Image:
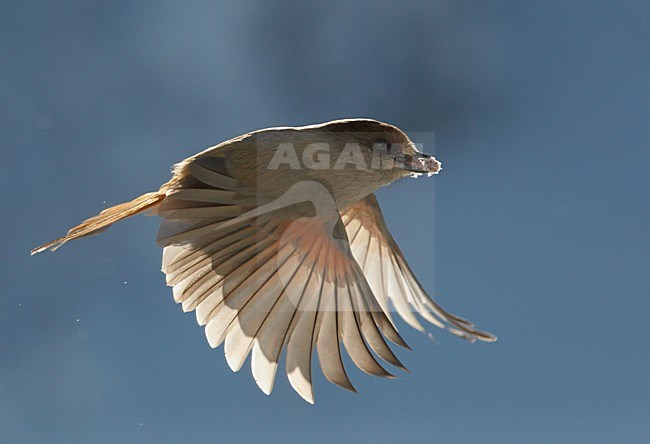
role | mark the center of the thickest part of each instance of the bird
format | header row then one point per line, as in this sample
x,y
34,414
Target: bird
x,y
275,239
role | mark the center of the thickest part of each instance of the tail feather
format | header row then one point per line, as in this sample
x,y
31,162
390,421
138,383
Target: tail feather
x,y
105,219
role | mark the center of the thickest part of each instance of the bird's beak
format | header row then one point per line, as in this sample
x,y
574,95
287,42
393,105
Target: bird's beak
x,y
421,163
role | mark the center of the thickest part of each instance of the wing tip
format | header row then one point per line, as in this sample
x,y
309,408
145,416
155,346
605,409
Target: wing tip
x,y
264,386
307,395
233,362
401,366
345,384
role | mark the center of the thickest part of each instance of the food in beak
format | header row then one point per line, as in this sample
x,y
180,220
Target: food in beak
x,y
422,164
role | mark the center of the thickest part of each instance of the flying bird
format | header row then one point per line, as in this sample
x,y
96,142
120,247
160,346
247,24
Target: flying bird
x,y
276,241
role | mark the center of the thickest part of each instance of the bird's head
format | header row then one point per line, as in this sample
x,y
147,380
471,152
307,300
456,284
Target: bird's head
x,y
350,157
382,147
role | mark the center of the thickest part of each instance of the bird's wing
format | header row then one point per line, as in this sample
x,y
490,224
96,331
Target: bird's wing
x,y
263,278
390,277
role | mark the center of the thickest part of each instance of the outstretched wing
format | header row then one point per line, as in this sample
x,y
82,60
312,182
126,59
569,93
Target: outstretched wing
x,y
390,277
263,277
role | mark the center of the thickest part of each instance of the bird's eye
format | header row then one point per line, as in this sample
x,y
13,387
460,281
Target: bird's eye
x,y
380,146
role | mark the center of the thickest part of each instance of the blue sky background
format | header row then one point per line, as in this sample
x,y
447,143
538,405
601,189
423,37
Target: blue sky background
x,y
541,112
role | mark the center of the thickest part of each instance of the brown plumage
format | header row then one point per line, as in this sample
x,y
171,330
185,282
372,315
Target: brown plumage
x,y
276,240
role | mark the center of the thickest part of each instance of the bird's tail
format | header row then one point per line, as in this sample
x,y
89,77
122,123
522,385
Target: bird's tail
x,y
105,219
